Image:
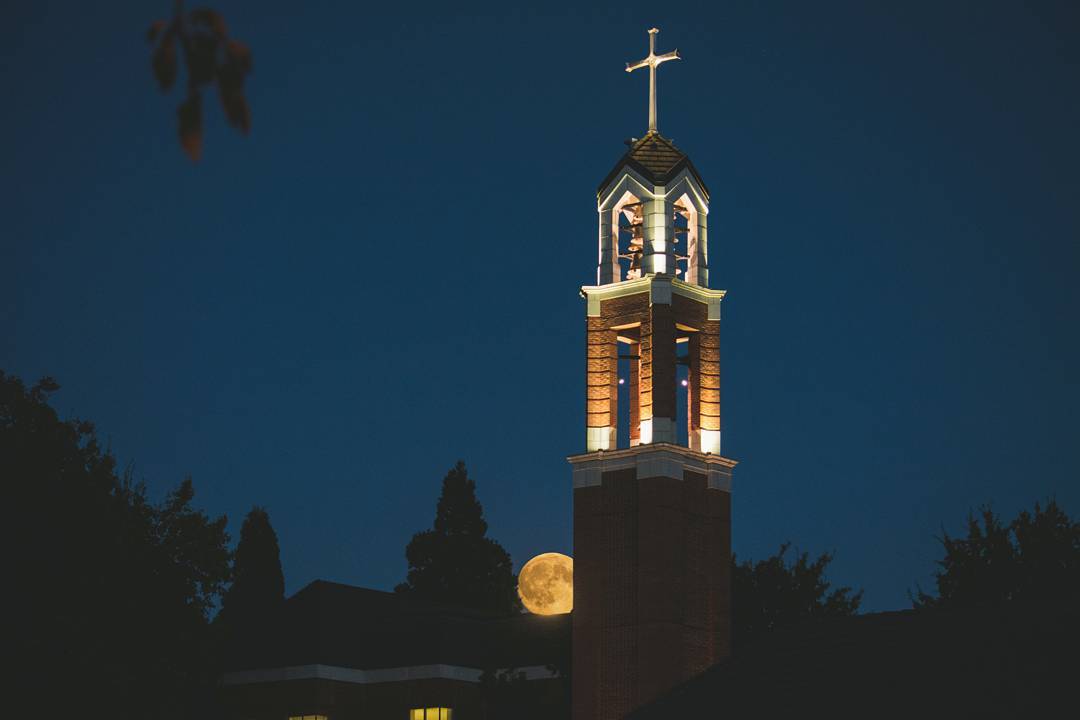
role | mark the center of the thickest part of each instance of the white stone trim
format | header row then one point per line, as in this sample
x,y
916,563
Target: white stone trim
x,y
658,229
710,441
596,294
371,677
598,438
653,460
659,287
628,182
663,430
684,183
703,295
633,182
660,291
644,432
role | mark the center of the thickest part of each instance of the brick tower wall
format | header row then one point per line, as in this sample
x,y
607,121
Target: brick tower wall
x,y
652,587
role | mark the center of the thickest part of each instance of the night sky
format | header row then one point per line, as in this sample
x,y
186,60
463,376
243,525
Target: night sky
x,y
383,277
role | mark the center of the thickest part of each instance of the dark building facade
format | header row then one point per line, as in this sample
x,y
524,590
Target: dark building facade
x,y
346,653
1004,661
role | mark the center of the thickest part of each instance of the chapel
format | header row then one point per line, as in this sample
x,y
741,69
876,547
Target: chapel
x,y
652,513
652,492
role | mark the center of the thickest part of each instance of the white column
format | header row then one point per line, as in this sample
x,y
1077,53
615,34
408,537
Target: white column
x,y
659,234
604,261
703,249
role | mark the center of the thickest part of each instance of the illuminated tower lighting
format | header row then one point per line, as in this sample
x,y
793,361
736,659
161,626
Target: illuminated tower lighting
x,y
652,520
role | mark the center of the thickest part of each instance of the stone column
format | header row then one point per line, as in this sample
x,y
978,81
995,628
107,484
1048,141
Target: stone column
x,y
634,383
607,270
663,373
710,387
659,236
702,250
645,382
603,260
601,385
693,393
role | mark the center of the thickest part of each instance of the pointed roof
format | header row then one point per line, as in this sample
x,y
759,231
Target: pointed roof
x,y
657,159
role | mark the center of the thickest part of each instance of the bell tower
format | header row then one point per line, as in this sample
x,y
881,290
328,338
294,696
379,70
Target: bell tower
x,y
652,494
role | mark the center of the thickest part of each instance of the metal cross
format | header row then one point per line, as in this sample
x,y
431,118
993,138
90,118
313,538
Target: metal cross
x,y
651,62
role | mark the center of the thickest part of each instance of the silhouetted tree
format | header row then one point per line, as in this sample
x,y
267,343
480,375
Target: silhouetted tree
x,y
1035,558
258,587
108,591
455,563
506,693
210,57
773,593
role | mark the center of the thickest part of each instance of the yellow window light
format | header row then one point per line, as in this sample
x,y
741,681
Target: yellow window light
x,y
431,713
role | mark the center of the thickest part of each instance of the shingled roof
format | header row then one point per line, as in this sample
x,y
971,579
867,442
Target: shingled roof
x,y
657,159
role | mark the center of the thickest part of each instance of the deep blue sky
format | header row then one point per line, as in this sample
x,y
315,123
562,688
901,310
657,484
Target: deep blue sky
x,y
322,317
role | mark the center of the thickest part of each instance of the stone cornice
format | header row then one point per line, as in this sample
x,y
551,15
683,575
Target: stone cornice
x,y
653,460
659,286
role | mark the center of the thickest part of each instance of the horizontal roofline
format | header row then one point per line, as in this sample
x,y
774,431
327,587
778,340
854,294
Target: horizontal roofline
x,y
374,677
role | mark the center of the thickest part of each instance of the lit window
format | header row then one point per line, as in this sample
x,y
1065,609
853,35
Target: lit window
x,y
435,713
307,717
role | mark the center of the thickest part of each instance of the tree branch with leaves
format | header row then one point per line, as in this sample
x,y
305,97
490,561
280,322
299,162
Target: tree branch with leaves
x,y
1034,558
775,593
210,57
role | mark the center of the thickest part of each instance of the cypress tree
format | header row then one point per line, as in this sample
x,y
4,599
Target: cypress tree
x,y
455,563
258,587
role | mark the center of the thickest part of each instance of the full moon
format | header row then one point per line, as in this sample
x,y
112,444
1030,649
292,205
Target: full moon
x,y
546,584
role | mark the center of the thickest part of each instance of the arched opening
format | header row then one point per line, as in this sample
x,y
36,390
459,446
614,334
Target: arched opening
x,y
686,239
628,230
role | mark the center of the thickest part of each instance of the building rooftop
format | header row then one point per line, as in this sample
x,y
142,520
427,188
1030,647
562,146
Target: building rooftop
x,y
343,626
989,663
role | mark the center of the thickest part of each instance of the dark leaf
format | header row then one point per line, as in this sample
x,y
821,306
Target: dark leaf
x,y
239,54
164,62
231,92
189,117
154,30
231,85
209,19
236,108
202,58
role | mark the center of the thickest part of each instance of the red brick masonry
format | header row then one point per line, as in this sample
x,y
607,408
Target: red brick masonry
x,y
652,587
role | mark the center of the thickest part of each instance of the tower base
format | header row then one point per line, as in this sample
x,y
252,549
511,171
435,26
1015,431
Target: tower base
x,y
652,573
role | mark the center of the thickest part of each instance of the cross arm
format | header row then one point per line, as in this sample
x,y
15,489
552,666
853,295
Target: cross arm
x,y
673,55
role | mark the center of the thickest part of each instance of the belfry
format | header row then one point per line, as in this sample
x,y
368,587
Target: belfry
x,y
652,493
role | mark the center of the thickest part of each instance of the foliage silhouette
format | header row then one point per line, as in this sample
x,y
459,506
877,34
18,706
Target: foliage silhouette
x,y
258,584
773,593
455,563
1033,559
113,592
506,693
210,57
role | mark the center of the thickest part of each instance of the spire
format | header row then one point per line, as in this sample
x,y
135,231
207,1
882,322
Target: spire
x,y
651,62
